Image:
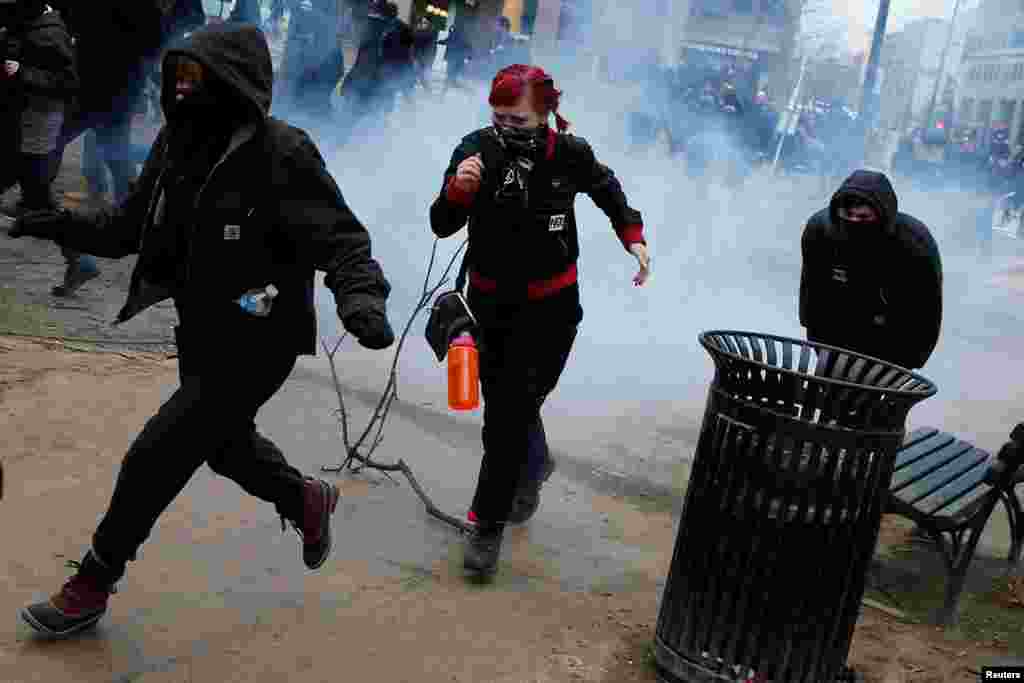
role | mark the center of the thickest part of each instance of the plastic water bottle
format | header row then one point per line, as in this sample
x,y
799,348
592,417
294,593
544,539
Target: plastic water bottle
x,y
463,373
258,301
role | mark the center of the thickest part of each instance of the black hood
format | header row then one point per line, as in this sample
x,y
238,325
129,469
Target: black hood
x,y
872,188
237,55
25,13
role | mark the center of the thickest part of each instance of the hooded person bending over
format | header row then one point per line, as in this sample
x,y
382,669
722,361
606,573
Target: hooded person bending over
x,y
516,184
871,279
230,201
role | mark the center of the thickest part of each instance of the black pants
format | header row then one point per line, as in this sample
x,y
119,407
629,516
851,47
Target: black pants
x,y
210,418
518,370
36,176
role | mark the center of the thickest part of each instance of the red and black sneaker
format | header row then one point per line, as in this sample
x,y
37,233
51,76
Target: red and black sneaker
x,y
319,501
79,604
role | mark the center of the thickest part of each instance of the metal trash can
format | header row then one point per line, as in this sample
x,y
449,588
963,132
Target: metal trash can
x,y
782,513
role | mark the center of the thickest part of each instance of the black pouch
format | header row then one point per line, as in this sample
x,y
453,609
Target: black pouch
x,y
449,317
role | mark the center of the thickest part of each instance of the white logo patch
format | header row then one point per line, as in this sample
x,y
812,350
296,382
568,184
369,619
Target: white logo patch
x,y
557,223
232,232
839,275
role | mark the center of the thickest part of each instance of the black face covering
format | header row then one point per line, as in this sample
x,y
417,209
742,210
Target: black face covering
x,y
198,106
522,142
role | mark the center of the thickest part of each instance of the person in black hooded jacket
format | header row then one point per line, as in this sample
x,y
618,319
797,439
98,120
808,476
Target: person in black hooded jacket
x,y
871,280
37,82
229,201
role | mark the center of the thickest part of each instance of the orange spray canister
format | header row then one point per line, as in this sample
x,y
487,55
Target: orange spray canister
x,y
463,373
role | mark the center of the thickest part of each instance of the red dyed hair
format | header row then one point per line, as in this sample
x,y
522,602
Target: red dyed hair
x,y
512,82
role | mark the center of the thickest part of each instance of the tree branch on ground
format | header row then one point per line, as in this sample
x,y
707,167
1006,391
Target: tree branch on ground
x,y
359,454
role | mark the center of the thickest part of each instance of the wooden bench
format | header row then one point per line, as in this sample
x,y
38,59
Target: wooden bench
x,y
950,488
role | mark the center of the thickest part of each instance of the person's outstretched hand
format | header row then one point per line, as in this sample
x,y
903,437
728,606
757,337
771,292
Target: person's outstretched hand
x,y
371,328
47,224
644,259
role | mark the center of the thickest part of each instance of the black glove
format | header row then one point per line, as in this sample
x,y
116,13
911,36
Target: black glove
x,y
47,224
371,327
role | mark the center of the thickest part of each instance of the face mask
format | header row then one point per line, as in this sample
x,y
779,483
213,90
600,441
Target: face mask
x,y
196,106
524,142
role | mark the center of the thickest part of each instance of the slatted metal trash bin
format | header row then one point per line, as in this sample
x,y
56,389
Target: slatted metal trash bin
x,y
782,511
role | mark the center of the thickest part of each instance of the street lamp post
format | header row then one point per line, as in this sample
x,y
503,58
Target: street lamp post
x,y
868,103
942,66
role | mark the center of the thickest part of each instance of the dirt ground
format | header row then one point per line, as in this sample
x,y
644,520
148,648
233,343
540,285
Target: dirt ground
x,y
70,416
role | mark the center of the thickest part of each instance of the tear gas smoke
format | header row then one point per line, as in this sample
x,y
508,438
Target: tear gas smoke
x,y
637,379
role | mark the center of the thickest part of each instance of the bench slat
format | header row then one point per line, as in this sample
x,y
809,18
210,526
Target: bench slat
x,y
923,487
918,435
924,464
906,457
959,493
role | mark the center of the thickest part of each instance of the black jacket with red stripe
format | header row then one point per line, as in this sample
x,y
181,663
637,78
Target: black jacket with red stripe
x,y
526,252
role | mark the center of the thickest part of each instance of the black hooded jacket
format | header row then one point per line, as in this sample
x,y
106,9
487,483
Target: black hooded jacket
x,y
45,54
876,290
269,212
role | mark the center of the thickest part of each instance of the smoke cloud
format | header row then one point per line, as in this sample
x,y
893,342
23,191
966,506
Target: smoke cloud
x,y
632,395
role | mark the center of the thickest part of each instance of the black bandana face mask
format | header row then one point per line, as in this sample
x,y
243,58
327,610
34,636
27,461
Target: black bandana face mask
x,y
521,142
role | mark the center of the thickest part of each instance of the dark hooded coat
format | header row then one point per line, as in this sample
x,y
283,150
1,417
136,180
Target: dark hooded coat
x,y
384,56
268,212
46,56
876,290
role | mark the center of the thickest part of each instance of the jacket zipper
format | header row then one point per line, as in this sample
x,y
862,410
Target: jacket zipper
x,y
153,203
195,208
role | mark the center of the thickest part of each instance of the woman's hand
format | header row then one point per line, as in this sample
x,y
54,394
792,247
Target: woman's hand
x,y
644,259
469,174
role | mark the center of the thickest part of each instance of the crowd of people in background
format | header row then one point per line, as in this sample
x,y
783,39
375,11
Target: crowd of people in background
x,y
105,83
717,121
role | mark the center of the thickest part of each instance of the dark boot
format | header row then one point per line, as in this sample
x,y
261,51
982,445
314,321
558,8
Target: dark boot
x,y
80,269
527,499
79,604
319,501
482,548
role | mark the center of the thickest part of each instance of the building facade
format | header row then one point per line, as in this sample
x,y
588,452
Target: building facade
x,y
991,75
750,42
913,61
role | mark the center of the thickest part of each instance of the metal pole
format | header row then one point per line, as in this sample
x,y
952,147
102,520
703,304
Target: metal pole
x,y
868,101
791,112
942,67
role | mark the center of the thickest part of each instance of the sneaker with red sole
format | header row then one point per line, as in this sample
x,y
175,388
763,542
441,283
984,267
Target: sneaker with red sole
x,y
80,603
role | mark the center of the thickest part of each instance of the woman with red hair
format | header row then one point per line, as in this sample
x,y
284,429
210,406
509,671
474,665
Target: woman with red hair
x,y
515,183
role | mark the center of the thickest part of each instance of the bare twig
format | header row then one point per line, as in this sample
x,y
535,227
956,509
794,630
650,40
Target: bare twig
x,y
356,456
